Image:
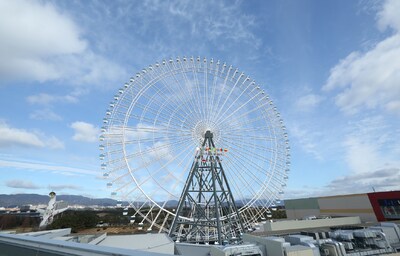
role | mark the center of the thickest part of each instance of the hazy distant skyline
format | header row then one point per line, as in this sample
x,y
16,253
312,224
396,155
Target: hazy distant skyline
x,y
331,67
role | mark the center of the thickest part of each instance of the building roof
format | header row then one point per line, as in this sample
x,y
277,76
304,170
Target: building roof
x,y
160,243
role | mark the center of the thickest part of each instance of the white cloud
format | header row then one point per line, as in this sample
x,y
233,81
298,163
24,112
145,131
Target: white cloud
x,y
85,132
380,180
45,44
92,69
19,137
393,106
47,99
371,79
371,145
53,142
308,102
306,139
38,31
361,156
161,151
21,184
45,114
389,15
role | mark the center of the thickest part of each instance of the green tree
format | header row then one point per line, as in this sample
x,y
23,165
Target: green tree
x,y
8,221
76,220
279,214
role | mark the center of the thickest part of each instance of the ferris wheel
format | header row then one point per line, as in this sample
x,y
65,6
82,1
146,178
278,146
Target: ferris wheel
x,y
155,127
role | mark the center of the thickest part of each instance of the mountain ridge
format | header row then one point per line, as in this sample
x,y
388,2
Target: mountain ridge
x,y
13,200
18,200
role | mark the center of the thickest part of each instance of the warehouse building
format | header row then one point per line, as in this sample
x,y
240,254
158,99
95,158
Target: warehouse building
x,y
370,207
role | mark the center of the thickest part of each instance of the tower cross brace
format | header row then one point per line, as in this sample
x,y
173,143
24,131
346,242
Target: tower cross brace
x,y
207,211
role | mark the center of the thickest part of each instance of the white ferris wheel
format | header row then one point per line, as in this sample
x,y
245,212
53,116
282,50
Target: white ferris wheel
x,y
157,122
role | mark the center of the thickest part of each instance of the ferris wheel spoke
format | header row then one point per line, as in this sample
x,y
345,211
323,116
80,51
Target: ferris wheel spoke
x,y
198,90
194,104
145,165
184,90
161,106
160,138
238,173
258,147
152,149
156,181
159,118
240,155
206,77
214,89
238,138
228,97
185,119
221,119
185,164
250,173
179,98
143,119
247,113
151,128
243,151
249,129
240,122
236,125
160,98
163,116
222,92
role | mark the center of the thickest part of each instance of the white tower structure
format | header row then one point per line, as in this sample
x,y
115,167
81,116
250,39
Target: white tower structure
x,y
53,208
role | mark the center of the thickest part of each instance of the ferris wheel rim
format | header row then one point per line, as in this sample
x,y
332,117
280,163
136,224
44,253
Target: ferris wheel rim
x,y
221,117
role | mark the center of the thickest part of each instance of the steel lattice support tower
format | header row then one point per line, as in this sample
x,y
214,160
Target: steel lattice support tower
x,y
206,211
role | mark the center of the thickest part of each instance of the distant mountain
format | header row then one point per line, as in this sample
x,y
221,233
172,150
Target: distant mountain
x,y
81,200
34,199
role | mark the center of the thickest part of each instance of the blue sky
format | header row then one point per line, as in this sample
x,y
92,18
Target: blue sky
x,y
331,67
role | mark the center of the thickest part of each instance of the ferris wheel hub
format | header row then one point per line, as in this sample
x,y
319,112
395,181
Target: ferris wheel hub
x,y
200,129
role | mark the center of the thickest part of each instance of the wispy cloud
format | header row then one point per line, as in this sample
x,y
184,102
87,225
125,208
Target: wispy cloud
x,y
163,28
45,114
38,166
378,180
61,187
308,102
306,139
371,144
214,20
47,99
21,184
85,132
